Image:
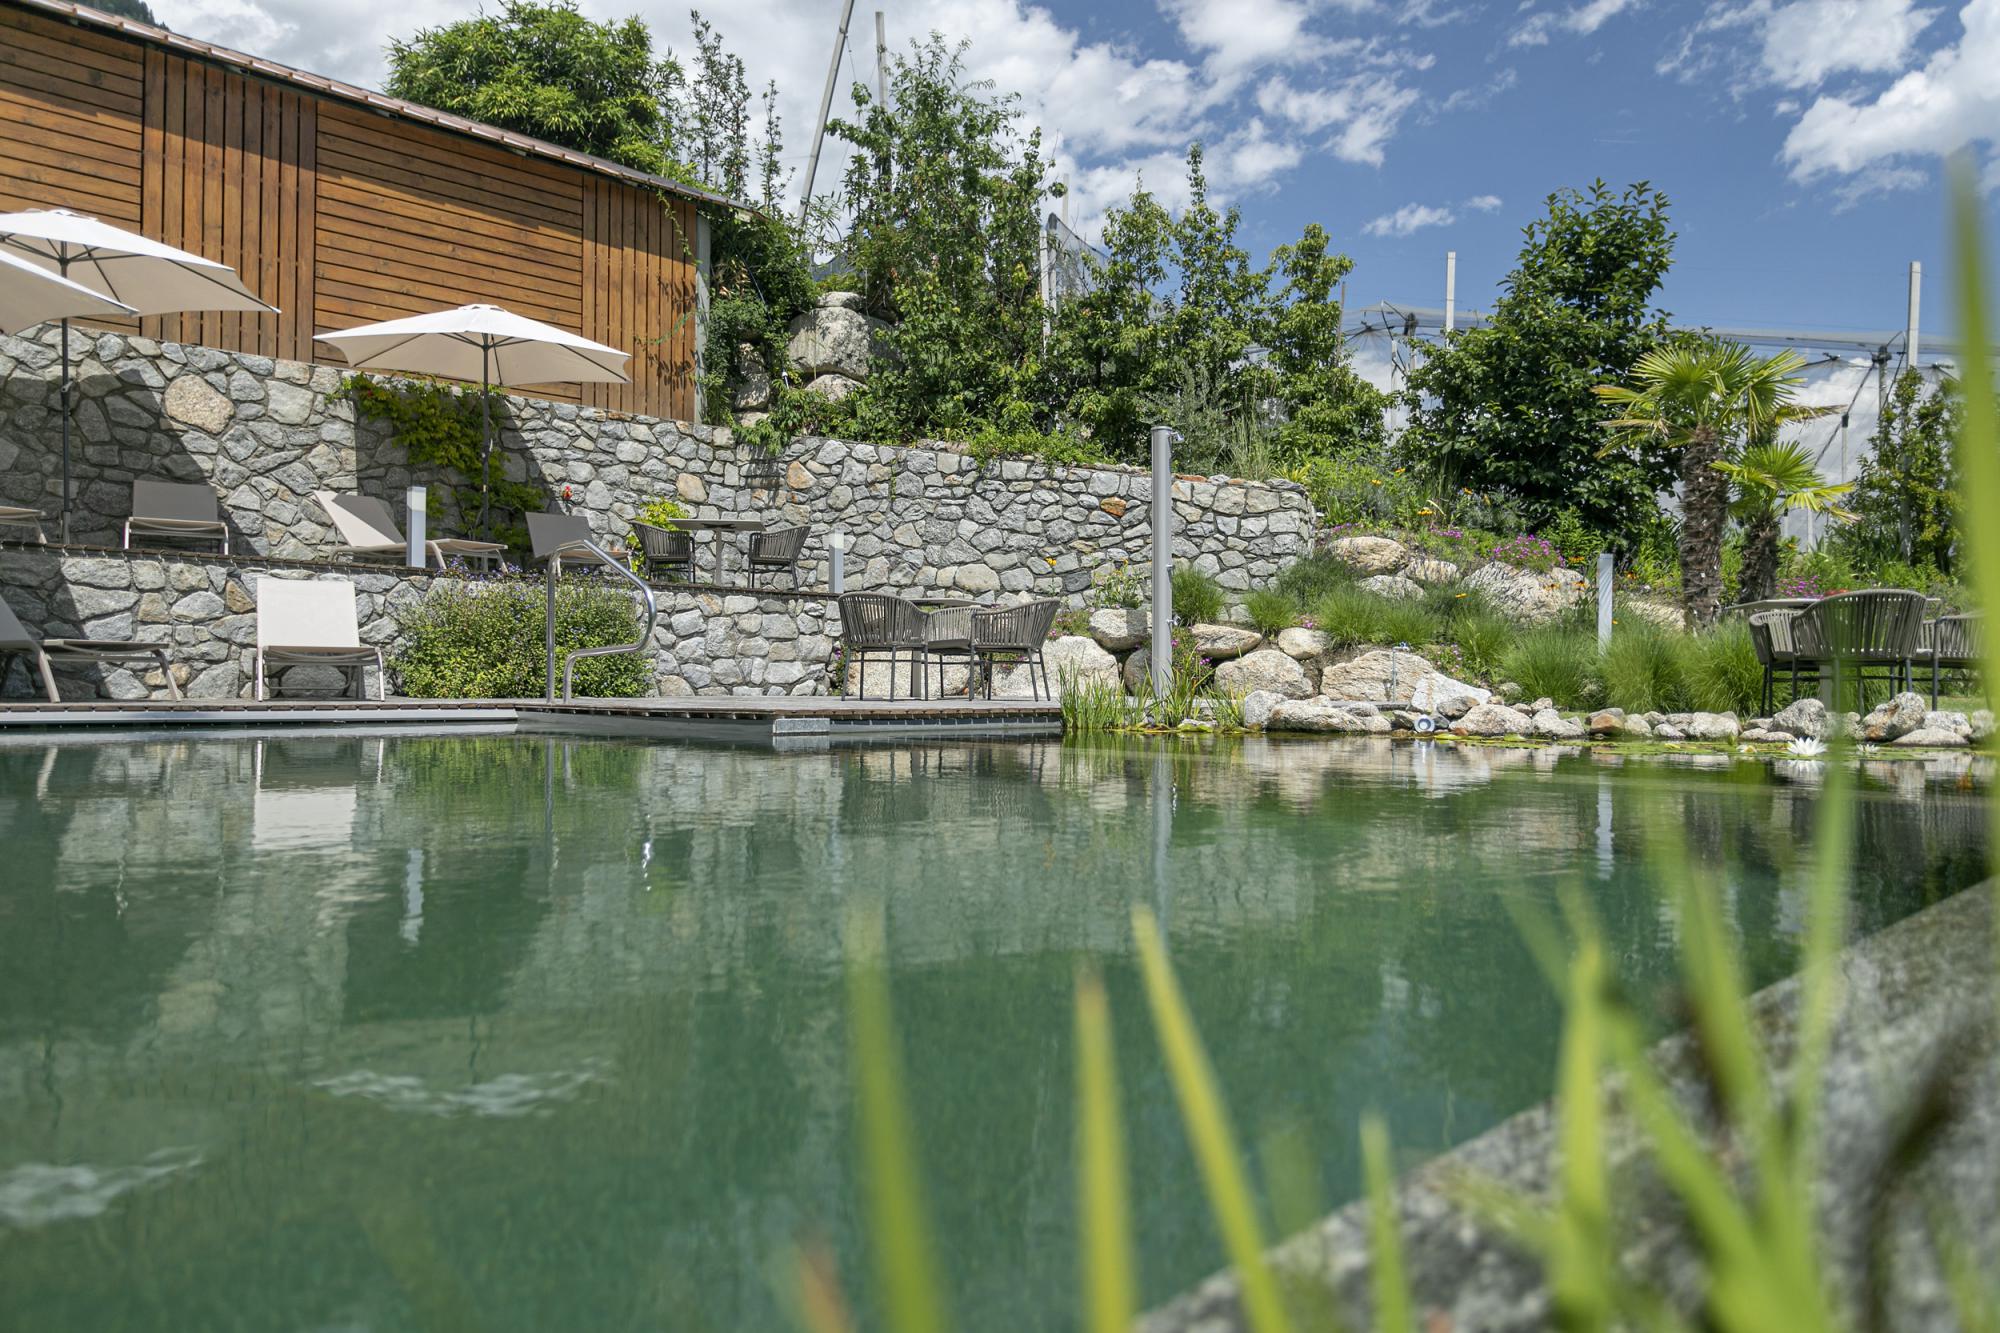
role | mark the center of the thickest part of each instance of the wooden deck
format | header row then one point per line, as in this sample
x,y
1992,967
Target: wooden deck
x,y
781,719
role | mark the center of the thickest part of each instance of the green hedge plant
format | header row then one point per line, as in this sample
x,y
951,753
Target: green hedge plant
x,y
483,640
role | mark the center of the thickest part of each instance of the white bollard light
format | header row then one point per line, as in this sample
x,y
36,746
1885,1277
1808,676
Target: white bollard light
x,y
837,542
1603,599
414,527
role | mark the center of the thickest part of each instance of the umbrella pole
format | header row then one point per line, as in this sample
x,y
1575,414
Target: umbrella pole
x,y
65,431
485,435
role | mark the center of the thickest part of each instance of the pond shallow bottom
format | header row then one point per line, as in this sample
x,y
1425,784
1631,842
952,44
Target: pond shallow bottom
x,y
520,1033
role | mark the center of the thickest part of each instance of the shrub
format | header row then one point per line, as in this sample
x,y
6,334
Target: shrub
x,y
1575,541
1645,668
1559,663
1117,587
1197,597
484,641
1271,610
1722,671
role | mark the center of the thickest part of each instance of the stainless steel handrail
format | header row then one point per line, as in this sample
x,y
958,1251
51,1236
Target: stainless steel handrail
x,y
549,628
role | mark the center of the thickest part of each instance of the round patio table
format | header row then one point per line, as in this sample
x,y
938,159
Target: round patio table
x,y
718,526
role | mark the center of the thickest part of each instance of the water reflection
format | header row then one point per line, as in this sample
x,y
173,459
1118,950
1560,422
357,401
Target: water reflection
x,y
526,1032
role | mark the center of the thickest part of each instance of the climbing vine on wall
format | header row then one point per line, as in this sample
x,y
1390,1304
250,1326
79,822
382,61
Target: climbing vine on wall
x,y
438,426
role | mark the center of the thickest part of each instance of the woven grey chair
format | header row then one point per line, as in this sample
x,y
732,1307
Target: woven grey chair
x,y
778,549
666,548
1857,632
1771,636
873,623
549,533
1950,643
1016,633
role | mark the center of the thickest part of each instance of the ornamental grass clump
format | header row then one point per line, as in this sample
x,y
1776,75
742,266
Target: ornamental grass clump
x,y
484,641
1559,664
1198,598
1645,668
1271,610
1723,673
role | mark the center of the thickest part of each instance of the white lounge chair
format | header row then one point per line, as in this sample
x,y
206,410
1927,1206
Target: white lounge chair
x,y
18,516
367,527
550,533
313,623
175,509
16,641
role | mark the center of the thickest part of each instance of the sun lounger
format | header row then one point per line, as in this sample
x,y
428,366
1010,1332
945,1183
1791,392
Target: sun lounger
x,y
367,527
312,623
15,641
175,509
16,516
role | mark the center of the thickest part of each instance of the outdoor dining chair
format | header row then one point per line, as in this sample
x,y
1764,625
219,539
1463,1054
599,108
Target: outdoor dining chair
x,y
15,641
948,635
550,533
1771,636
777,549
20,516
367,527
1950,643
666,548
312,622
872,623
175,509
1876,630
1016,633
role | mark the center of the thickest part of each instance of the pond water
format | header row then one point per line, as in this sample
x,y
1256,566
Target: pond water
x,y
517,1033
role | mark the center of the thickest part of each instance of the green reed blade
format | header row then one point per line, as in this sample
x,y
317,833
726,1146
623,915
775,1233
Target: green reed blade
x,y
1209,1132
901,1232
1104,1220
1385,1232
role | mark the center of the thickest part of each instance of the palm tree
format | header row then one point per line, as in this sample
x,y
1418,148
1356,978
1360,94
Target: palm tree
x,y
1771,480
1704,396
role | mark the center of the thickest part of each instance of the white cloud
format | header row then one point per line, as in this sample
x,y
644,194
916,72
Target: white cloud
x,y
1806,42
1538,28
1408,219
1951,100
1483,203
1362,113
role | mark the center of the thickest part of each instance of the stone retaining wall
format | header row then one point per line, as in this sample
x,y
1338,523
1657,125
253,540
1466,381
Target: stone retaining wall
x,y
266,434
204,610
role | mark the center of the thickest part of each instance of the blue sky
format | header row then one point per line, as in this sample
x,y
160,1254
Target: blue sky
x,y
1802,141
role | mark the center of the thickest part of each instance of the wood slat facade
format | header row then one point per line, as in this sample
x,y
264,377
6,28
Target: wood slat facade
x,y
339,215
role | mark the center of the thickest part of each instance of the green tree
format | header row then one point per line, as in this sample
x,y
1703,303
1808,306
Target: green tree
x,y
546,70
1773,479
1907,498
1704,398
1507,408
1327,409
711,109
946,192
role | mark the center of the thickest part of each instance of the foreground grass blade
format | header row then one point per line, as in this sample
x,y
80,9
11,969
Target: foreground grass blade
x,y
818,1303
1385,1232
1209,1132
1978,452
900,1231
1580,1261
1104,1223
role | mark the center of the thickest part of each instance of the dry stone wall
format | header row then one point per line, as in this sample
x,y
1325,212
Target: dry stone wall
x,y
266,434
204,610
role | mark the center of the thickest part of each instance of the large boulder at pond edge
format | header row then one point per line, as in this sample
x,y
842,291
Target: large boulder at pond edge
x,y
1257,706
1370,555
1895,719
1493,720
1803,717
1072,659
1307,645
1393,586
1326,715
1267,669
1383,675
1551,725
835,339
1118,630
1533,597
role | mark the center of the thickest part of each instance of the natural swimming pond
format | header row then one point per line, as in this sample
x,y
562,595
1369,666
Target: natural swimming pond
x,y
523,1033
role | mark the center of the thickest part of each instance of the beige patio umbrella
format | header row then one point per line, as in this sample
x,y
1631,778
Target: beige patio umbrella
x,y
144,276
495,346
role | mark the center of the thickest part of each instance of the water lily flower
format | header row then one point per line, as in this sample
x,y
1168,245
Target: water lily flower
x,y
1806,747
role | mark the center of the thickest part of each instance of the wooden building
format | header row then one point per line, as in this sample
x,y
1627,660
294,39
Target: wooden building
x,y
342,206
